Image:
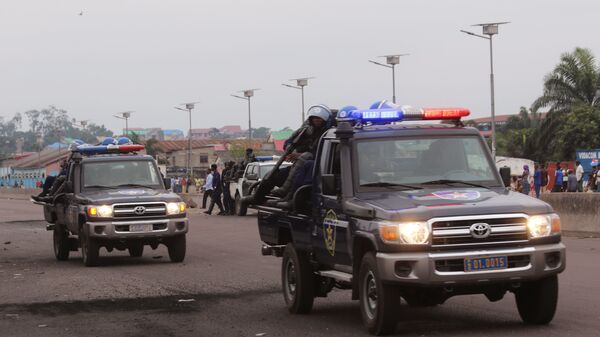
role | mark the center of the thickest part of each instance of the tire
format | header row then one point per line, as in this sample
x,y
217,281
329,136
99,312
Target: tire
x,y
297,281
135,249
379,302
240,208
90,250
61,243
537,300
177,248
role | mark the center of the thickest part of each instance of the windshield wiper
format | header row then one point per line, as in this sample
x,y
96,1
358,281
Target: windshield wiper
x,y
449,181
134,185
388,184
99,186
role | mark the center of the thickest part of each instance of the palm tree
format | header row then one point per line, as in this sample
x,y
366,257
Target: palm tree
x,y
575,80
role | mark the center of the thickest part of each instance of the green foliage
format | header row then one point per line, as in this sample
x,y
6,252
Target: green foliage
x,y
151,147
45,127
578,130
574,81
261,132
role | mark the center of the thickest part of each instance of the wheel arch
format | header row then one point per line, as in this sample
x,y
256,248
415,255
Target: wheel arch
x,y
362,244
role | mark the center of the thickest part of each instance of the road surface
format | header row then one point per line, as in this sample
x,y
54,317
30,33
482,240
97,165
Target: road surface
x,y
226,288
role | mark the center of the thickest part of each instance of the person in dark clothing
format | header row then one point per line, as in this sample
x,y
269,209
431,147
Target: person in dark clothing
x,y
227,177
300,148
249,157
216,192
571,181
53,185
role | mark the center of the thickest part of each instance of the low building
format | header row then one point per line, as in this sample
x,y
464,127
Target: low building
x,y
278,138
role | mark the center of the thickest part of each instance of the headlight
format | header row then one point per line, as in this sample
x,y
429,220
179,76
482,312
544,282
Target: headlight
x,y
540,226
103,211
410,233
174,208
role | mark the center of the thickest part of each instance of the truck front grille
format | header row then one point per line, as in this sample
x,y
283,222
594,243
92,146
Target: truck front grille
x,y
139,210
457,232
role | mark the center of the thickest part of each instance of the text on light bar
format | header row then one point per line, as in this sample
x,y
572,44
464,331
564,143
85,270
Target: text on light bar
x,y
445,113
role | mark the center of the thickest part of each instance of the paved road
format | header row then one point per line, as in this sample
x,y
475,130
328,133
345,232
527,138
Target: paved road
x,y
235,291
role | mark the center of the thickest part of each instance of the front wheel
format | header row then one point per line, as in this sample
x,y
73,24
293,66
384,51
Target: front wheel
x,y
240,208
62,246
90,249
177,247
379,302
297,280
537,300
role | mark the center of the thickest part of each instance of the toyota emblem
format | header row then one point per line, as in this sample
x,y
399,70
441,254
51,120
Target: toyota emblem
x,y
139,210
480,230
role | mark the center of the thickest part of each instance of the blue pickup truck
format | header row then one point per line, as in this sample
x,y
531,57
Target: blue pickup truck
x,y
401,210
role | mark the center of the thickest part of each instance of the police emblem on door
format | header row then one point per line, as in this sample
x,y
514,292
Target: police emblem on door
x,y
329,225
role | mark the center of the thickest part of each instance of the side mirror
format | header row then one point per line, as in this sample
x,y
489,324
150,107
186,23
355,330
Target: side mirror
x,y
329,184
167,182
68,187
505,174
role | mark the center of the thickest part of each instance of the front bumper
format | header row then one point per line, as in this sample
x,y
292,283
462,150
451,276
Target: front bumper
x,y
431,269
150,228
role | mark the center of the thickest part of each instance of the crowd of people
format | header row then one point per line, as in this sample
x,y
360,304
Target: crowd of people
x,y
566,180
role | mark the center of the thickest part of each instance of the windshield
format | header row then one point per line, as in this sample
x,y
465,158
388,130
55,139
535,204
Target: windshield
x,y
120,173
442,160
265,169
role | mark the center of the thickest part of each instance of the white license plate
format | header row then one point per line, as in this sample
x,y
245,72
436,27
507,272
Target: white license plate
x,y
140,228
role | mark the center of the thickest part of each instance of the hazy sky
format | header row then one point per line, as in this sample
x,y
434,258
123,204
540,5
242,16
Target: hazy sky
x,y
148,55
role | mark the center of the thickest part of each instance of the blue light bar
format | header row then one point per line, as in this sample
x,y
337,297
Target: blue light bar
x,y
376,115
264,158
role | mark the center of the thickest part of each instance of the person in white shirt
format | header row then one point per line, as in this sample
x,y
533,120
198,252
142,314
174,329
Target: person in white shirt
x,y
207,188
579,176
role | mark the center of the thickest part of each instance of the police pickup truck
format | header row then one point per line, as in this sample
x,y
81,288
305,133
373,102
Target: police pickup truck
x,y
419,212
116,199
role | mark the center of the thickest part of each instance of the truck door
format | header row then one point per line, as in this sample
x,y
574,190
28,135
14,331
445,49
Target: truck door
x,y
71,207
330,232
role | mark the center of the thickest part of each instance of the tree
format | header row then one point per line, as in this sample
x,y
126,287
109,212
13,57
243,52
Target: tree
x,y
578,130
573,81
572,84
261,132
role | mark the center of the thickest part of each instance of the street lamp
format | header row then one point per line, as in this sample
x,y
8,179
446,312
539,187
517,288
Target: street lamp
x,y
392,61
124,115
300,84
248,93
188,108
490,29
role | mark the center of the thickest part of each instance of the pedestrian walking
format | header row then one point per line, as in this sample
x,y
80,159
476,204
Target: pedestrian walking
x,y
525,180
208,187
579,176
545,178
227,177
537,179
216,192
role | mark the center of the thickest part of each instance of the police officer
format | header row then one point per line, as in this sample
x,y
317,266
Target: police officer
x,y
302,146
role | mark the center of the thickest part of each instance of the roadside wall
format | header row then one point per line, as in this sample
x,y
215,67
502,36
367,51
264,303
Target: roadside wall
x,y
578,211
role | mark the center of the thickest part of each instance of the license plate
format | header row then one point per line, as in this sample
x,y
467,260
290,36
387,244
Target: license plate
x,y
485,263
140,228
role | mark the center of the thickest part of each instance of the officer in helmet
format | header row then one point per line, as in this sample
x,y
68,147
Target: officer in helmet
x,y
301,146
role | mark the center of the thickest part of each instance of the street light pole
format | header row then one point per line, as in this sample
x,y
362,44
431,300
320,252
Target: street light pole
x,y
392,61
248,93
189,107
124,115
490,29
300,84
